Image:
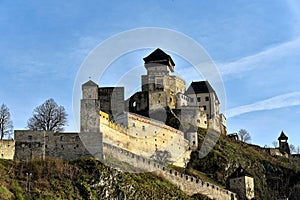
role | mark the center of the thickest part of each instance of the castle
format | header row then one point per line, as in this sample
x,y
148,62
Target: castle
x,y
151,129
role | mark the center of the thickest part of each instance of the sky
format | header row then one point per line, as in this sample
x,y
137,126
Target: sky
x,y
255,46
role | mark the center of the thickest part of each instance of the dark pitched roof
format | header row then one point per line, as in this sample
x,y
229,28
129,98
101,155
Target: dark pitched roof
x,y
282,136
199,87
159,56
239,172
90,83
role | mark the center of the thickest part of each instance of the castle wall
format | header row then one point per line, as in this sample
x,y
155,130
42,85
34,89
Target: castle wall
x,y
194,116
188,184
177,85
7,149
111,99
41,144
144,136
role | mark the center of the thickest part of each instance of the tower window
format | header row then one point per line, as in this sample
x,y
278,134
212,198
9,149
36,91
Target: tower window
x,y
204,107
29,137
198,99
206,98
133,124
143,128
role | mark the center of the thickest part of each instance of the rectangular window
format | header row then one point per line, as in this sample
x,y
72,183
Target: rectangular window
x,y
77,138
204,107
198,99
29,137
62,138
133,124
143,128
192,100
206,98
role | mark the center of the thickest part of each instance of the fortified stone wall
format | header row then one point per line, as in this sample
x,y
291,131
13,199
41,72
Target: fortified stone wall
x,y
7,149
188,184
41,144
145,136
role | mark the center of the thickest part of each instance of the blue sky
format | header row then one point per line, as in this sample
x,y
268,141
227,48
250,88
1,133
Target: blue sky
x,y
254,44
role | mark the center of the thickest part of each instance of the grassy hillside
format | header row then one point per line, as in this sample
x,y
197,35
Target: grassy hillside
x,y
273,177
81,179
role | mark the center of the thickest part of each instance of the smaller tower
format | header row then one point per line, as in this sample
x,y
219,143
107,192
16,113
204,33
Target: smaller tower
x,y
283,144
90,134
89,112
242,183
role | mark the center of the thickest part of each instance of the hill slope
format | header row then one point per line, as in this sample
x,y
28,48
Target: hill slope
x,y
81,179
273,177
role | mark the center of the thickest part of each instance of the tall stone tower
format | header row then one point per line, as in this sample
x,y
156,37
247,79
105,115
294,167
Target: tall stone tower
x,y
242,183
90,134
283,144
89,112
158,83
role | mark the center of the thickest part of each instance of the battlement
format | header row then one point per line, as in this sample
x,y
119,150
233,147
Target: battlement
x,y
189,184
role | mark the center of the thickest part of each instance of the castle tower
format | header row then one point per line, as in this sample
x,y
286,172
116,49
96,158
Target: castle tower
x,y
90,134
242,183
283,144
158,83
89,112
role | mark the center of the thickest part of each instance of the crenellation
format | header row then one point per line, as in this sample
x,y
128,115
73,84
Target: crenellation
x,y
189,184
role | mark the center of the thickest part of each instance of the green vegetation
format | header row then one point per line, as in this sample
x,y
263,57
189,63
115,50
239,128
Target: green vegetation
x,y
273,177
80,179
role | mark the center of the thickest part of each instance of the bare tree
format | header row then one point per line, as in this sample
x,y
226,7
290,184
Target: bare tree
x,y
298,150
244,135
6,125
292,148
48,116
275,144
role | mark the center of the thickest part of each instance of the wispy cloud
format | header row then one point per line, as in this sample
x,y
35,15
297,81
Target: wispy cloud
x,y
260,59
281,101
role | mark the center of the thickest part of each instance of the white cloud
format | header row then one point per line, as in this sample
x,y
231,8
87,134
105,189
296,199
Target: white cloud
x,y
281,101
260,59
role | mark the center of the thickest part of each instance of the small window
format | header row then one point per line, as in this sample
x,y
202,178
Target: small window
x,y
199,99
143,128
62,146
192,100
77,138
2,155
46,137
133,124
198,120
46,146
204,107
62,138
206,98
29,137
